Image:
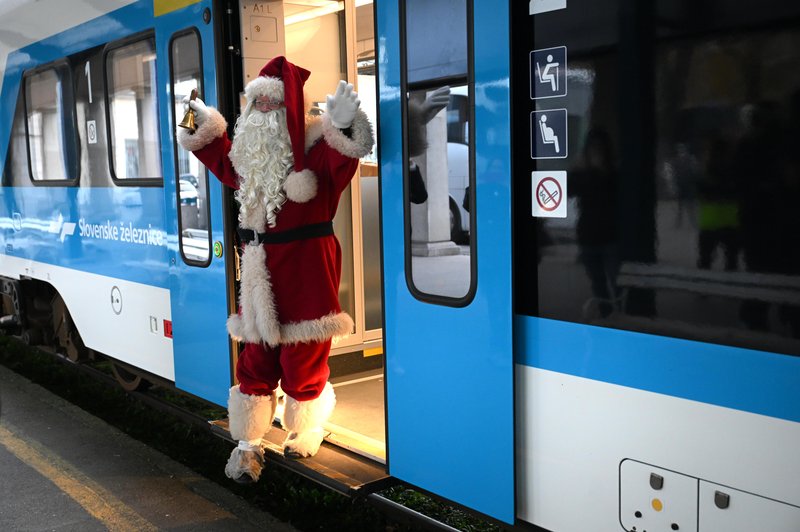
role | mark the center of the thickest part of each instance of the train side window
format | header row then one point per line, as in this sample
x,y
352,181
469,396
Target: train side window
x,y
50,125
681,170
192,177
439,153
15,171
133,111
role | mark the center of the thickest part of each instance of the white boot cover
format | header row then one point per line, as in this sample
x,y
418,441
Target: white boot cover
x,y
304,420
244,466
250,418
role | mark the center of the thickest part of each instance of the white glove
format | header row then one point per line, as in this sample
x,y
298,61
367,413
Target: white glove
x,y
201,112
342,106
435,102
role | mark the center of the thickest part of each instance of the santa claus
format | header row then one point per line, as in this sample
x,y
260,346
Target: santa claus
x,y
288,171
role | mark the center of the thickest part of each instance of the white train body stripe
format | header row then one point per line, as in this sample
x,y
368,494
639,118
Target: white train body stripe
x,y
119,318
572,434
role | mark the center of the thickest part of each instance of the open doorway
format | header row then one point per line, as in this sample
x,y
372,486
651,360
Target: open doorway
x,y
335,40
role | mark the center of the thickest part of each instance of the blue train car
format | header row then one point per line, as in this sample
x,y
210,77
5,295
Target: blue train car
x,y
592,320
95,203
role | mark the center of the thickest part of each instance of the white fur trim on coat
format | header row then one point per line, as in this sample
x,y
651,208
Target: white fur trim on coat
x,y
267,86
258,321
318,330
250,416
212,127
361,140
301,186
302,416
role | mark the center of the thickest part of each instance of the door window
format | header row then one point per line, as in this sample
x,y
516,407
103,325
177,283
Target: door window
x,y
191,175
440,244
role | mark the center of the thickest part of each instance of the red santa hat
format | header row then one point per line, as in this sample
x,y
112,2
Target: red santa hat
x,y
283,81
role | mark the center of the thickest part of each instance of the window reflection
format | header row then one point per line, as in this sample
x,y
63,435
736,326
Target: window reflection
x,y
683,181
47,118
438,168
16,168
133,111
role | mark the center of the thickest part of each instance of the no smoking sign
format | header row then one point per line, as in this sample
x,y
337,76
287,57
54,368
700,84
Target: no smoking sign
x,y
549,194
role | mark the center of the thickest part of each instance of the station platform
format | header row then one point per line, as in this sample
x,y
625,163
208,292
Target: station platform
x,y
63,469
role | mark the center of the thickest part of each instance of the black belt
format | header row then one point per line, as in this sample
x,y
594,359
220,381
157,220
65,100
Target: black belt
x,y
290,235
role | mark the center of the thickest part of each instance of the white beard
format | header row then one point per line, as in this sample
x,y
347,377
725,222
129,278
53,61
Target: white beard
x,y
261,153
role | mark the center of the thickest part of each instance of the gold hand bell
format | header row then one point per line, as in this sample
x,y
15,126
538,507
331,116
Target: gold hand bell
x,y
188,118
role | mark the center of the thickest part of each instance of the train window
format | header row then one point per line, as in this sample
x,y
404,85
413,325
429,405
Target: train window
x,y
192,176
133,111
15,172
680,169
49,109
440,246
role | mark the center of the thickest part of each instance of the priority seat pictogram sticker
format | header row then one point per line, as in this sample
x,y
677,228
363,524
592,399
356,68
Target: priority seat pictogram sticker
x,y
549,191
549,135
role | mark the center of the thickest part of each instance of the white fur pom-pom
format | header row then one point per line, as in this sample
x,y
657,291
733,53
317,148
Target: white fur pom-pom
x,y
264,86
301,186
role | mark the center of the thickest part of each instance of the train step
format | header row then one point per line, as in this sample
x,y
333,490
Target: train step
x,y
333,467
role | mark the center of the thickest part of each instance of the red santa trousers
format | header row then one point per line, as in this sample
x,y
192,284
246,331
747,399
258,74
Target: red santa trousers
x,y
301,368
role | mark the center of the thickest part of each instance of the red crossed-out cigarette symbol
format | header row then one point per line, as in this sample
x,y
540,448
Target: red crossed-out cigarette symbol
x,y
548,194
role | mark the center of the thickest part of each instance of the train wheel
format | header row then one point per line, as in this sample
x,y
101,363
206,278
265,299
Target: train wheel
x,y
31,337
67,337
129,380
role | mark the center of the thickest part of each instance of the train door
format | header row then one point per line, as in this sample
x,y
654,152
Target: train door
x,y
194,208
443,68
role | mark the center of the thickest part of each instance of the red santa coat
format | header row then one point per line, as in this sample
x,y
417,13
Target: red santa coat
x,y
290,291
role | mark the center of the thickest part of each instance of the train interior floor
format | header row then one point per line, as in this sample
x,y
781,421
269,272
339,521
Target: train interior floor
x,y
359,414
358,422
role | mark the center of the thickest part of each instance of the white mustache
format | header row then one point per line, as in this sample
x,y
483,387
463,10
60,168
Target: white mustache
x,y
256,119
271,120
